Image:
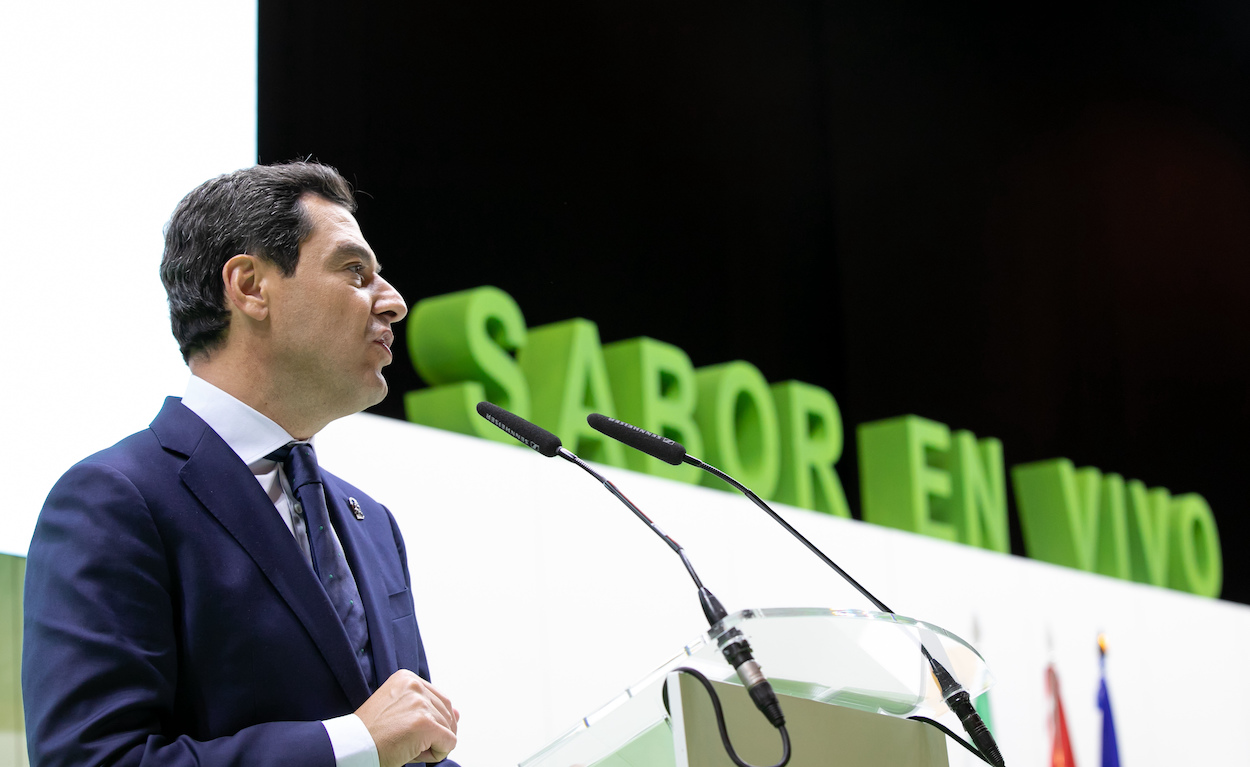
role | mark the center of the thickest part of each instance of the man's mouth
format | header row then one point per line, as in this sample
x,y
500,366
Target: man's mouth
x,y
385,340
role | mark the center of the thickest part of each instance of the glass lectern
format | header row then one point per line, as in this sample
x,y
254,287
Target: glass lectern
x,y
843,676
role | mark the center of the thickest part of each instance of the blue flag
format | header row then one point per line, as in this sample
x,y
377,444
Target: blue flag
x,y
1110,749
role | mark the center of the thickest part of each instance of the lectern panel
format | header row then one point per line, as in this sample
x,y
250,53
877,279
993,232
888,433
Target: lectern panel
x,y
820,734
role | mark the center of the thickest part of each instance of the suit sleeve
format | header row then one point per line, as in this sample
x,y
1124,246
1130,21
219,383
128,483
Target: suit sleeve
x,y
403,561
100,649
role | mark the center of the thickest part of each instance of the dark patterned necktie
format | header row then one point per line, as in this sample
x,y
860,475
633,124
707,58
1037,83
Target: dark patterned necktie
x,y
328,561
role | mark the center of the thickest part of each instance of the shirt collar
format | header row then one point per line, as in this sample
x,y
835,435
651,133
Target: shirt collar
x,y
249,433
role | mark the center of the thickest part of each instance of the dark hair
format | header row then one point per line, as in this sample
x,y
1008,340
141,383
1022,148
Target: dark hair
x,y
256,211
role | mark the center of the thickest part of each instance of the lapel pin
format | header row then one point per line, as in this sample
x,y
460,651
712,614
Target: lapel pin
x,y
355,508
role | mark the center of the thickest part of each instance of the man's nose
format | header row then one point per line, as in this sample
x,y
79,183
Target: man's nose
x,y
389,301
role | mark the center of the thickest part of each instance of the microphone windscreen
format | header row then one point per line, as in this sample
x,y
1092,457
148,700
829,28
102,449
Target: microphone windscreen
x,y
639,439
530,435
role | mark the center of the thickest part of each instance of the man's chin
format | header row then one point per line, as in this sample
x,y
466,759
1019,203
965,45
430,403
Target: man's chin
x,y
377,392
369,393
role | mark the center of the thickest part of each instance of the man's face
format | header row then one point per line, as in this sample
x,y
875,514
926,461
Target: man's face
x,y
331,320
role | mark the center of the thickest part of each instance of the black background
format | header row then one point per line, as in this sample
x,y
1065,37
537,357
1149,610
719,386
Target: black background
x,y
1031,223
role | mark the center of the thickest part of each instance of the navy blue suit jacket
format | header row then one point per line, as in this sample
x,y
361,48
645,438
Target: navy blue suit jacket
x,y
171,619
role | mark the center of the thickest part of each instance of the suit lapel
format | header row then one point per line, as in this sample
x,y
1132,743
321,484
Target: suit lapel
x,y
229,491
353,534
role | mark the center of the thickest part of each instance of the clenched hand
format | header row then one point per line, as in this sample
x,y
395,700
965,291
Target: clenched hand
x,y
410,720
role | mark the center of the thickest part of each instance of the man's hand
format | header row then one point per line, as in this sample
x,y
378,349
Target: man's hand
x,y
410,721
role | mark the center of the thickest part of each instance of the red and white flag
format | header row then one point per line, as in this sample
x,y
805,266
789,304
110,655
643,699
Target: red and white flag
x,y
1060,745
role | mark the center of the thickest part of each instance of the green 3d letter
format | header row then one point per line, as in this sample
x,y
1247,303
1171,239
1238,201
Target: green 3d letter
x,y
735,412
563,363
460,344
1197,565
899,484
811,443
1149,512
1058,512
1113,557
979,492
654,388
1073,517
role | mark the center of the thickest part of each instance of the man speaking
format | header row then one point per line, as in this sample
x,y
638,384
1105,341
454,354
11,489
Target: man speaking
x,y
203,592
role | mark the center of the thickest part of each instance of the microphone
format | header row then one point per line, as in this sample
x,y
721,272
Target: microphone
x,y
733,644
527,433
669,451
642,440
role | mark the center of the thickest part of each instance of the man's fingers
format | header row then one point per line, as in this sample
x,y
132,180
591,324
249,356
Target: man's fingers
x,y
410,720
438,701
440,746
441,701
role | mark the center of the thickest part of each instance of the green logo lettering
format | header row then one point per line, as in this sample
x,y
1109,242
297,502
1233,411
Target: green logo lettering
x,y
563,363
811,443
654,387
735,412
460,344
978,501
903,478
1148,514
1197,566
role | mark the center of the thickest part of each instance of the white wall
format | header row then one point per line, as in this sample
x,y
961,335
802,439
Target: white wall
x,y
111,112
540,597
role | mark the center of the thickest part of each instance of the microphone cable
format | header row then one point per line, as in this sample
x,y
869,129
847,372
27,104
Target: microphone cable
x,y
956,698
720,720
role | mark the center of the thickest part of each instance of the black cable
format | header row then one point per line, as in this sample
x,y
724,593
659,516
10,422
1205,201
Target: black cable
x,y
955,697
720,721
953,736
751,496
953,694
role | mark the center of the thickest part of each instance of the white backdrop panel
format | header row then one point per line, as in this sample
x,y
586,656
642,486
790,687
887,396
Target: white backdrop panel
x,y
541,597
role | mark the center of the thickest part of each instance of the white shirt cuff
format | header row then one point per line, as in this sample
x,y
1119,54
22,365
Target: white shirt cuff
x,y
353,745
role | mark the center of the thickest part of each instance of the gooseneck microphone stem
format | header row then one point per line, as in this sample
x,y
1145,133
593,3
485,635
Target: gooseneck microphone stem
x,y
953,694
690,459
733,643
671,452
672,544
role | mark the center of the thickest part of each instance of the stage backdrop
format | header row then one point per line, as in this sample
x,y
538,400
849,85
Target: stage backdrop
x,y
541,597
1028,222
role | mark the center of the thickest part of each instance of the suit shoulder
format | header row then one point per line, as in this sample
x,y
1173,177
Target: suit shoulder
x,y
134,458
140,446
169,439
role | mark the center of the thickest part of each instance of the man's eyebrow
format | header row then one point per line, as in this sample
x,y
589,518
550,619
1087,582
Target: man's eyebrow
x,y
360,251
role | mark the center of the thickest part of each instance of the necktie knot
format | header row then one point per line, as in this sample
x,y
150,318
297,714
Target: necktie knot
x,y
300,461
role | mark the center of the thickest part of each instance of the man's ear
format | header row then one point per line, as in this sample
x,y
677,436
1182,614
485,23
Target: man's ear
x,y
244,278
